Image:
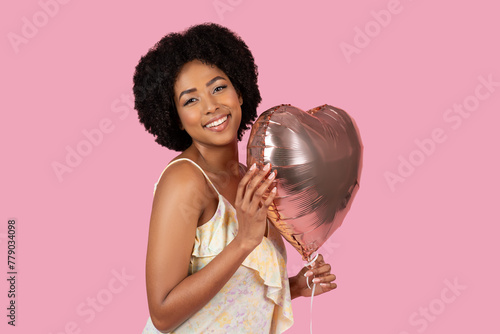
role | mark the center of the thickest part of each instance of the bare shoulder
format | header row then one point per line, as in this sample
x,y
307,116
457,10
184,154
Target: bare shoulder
x,y
181,180
181,173
179,201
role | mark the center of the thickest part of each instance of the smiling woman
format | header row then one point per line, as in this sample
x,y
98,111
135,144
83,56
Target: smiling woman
x,y
214,263
207,103
159,69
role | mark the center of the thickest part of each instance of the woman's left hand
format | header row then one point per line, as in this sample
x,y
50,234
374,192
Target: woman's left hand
x,y
319,274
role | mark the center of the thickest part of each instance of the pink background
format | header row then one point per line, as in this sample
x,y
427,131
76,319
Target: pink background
x,y
399,248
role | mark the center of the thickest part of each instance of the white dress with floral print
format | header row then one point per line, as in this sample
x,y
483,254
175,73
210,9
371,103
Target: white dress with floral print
x,y
257,297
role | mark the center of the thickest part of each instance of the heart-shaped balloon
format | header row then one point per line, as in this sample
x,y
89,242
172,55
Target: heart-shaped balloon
x,y
318,157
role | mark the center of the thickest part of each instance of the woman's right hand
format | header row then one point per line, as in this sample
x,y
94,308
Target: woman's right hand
x,y
252,204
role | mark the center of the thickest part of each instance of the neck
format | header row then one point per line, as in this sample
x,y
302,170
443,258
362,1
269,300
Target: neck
x,y
218,159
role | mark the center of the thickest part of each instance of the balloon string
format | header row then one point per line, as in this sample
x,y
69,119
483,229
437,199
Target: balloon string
x,y
312,261
312,296
309,264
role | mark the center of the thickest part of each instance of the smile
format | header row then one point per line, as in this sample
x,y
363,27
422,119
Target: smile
x,y
217,122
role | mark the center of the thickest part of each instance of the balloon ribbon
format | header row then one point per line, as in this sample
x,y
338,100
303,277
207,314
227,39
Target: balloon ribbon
x,y
309,264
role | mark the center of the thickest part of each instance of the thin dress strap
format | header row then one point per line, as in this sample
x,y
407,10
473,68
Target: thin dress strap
x,y
194,163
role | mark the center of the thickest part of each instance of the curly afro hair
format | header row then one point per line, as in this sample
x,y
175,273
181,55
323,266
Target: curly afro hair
x,y
157,71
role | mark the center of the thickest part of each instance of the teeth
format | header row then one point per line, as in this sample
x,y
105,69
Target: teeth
x,y
216,123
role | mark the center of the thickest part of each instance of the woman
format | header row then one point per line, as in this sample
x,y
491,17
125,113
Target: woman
x,y
206,270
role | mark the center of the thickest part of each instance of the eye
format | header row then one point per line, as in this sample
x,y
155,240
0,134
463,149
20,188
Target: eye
x,y
219,88
191,100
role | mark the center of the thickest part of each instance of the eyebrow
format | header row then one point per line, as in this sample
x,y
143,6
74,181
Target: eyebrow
x,y
187,91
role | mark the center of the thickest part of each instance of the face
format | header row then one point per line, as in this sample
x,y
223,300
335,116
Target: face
x,y
208,105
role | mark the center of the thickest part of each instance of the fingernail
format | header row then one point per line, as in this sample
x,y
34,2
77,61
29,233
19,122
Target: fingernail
x,y
267,167
273,190
324,284
252,167
316,280
309,273
271,176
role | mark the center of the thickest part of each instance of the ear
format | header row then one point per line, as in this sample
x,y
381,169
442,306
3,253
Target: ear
x,y
240,99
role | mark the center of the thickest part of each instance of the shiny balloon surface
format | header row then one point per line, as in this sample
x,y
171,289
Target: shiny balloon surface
x,y
318,158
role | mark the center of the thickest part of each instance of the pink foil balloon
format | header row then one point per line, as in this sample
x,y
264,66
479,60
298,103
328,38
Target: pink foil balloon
x,y
318,157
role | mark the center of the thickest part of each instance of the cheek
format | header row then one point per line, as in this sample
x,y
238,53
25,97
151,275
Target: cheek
x,y
237,117
233,100
235,105
188,118
234,97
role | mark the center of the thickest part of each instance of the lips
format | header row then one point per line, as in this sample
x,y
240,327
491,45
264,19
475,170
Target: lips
x,y
216,121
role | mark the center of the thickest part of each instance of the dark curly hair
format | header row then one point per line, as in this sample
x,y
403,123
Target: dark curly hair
x,y
157,71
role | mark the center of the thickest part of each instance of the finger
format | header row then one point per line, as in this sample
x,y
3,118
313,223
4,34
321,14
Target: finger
x,y
257,199
328,286
270,198
324,269
254,183
240,193
319,261
262,210
273,183
318,271
325,279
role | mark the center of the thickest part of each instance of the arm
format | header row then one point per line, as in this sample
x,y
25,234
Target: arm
x,y
173,296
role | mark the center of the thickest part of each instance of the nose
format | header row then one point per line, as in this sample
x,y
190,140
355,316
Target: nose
x,y
212,105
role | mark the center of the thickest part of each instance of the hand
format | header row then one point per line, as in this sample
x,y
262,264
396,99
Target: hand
x,y
252,204
319,274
